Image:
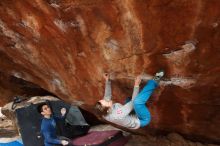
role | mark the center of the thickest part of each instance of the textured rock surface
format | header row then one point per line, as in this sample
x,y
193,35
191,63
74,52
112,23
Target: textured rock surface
x,y
65,46
172,139
11,86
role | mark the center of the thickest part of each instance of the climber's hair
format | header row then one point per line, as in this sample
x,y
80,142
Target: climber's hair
x,y
100,110
40,107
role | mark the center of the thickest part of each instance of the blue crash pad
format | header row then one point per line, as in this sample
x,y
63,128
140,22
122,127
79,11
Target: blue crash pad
x,y
14,143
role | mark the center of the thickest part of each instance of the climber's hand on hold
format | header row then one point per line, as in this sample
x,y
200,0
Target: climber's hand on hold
x,y
137,81
106,76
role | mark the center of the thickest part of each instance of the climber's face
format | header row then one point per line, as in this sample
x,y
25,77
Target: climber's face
x,y
46,111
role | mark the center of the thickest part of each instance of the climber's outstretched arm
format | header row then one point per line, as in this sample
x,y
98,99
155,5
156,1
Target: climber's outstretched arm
x,y
108,90
136,87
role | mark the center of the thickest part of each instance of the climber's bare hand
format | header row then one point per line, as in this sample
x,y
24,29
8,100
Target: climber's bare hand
x,y
137,80
106,76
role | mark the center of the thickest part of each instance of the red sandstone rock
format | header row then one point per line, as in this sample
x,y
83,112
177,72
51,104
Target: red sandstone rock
x,y
66,46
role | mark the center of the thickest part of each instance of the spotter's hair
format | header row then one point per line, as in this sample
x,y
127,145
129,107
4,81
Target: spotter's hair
x,y
40,107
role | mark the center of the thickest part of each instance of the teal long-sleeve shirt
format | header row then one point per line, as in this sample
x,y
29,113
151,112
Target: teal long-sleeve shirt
x,y
48,129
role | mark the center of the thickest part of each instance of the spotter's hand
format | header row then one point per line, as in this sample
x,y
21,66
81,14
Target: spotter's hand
x,y
63,111
64,142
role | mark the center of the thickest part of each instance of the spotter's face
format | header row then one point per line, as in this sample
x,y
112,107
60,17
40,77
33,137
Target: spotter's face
x,y
46,110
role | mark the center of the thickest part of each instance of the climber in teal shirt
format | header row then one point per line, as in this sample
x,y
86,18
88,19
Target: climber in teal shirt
x,y
48,125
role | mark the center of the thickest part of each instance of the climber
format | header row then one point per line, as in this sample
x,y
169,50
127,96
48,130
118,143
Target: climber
x,y
120,114
48,126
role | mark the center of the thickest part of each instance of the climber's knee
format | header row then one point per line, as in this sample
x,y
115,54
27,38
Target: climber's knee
x,y
138,100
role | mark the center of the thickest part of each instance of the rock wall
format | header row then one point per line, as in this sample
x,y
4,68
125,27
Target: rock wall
x,y
66,46
11,86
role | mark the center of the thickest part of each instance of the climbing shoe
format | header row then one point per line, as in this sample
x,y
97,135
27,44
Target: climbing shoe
x,y
159,75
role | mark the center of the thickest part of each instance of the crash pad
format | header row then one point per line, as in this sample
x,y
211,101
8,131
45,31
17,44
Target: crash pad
x,y
101,138
29,122
14,143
